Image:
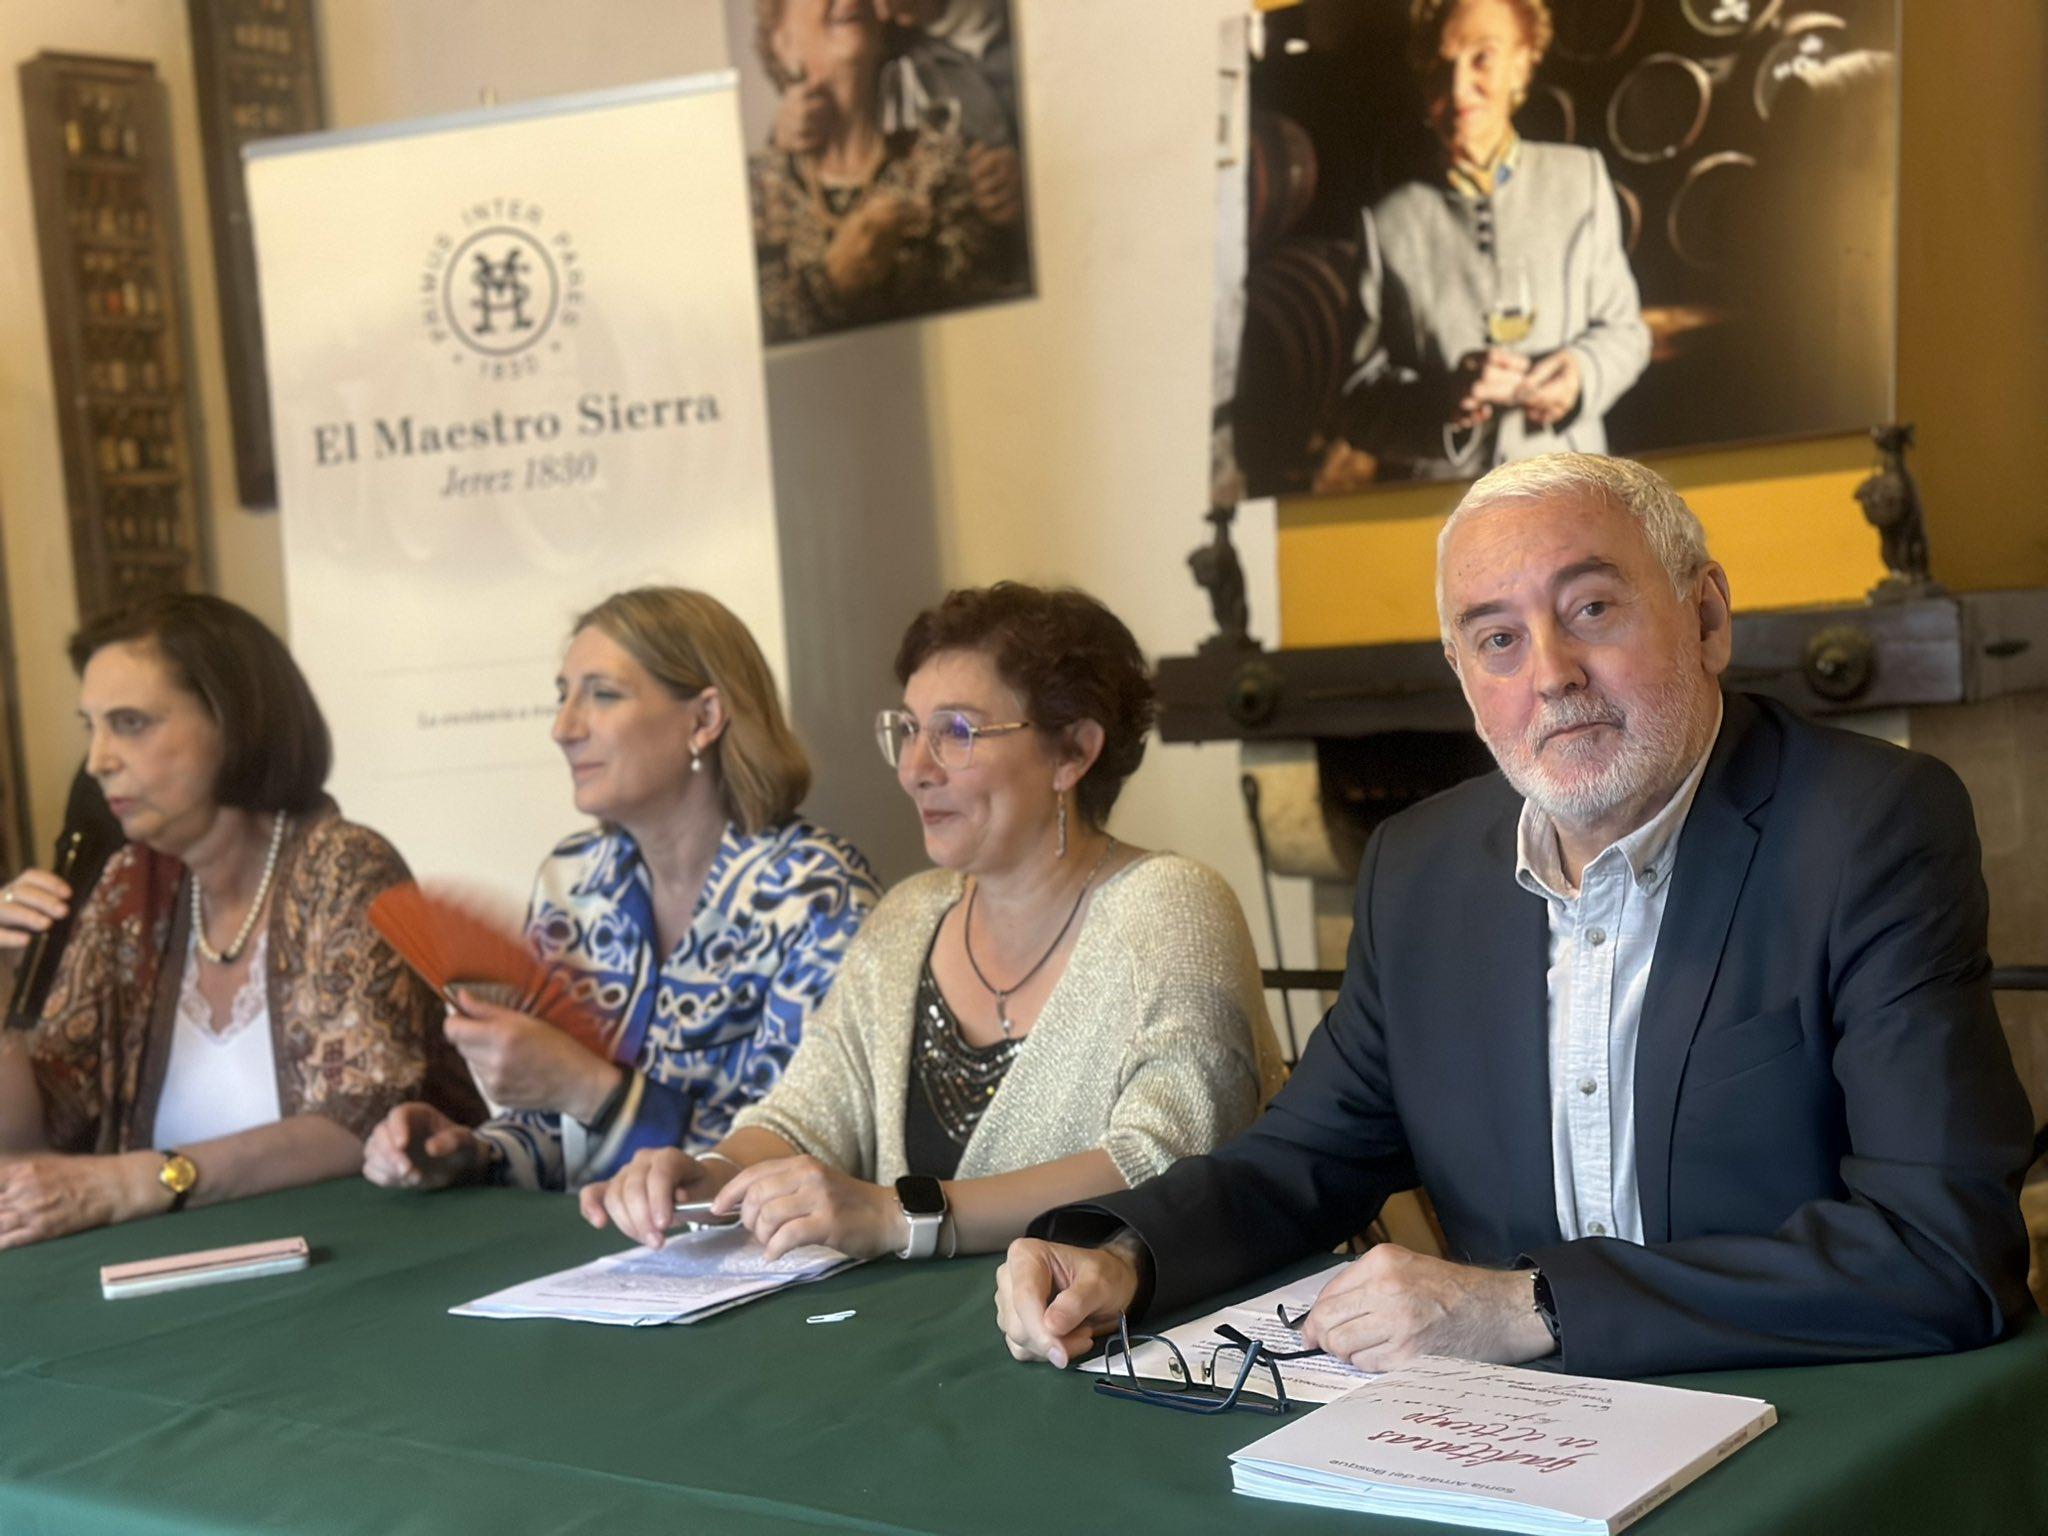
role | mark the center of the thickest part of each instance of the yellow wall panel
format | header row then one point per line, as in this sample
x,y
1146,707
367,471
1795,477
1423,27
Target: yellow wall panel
x,y
1973,284
1360,570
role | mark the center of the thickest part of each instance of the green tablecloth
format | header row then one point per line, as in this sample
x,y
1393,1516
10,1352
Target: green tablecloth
x,y
346,1399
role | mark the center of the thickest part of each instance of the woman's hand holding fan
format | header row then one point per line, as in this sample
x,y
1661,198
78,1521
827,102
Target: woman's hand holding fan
x,y
545,1050
523,1062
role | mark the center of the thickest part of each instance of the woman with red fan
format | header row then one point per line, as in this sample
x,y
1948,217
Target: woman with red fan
x,y
164,1070
1047,1016
697,926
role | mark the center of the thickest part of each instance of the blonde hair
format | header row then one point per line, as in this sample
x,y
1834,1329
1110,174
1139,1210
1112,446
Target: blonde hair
x,y
1428,18
690,641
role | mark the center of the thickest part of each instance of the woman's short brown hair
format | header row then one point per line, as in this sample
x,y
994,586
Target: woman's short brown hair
x,y
1069,659
690,641
276,752
1426,19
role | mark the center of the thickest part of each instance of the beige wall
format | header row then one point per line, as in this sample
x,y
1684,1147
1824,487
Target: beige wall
x,y
1070,433
40,592
385,59
1060,439
388,60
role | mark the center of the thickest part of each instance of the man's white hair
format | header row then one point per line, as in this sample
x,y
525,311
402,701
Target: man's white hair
x,y
1674,532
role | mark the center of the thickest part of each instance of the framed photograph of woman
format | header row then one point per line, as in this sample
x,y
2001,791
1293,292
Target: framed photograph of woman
x,y
1478,230
885,159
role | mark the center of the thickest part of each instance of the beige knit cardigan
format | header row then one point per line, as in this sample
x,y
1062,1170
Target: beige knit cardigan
x,y
1153,1045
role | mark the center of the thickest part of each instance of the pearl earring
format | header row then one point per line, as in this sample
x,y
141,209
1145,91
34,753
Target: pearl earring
x,y
696,761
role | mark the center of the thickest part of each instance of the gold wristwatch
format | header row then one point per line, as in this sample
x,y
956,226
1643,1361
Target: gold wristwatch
x,y
180,1176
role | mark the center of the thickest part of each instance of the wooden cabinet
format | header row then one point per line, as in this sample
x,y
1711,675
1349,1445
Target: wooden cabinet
x,y
259,77
114,298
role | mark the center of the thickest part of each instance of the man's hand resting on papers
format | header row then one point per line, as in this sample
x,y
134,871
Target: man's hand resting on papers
x,y
1053,1301
1394,1304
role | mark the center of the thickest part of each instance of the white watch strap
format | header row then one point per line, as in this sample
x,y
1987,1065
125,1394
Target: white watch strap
x,y
924,1235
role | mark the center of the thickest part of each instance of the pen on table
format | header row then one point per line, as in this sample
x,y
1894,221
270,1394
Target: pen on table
x,y
699,1213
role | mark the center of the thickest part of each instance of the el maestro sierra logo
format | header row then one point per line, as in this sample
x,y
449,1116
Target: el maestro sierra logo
x,y
497,292
500,290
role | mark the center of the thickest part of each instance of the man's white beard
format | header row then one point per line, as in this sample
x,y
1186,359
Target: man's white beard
x,y
1584,781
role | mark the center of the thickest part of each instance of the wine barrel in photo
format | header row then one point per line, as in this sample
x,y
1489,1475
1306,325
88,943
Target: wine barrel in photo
x,y
1713,210
1730,18
1301,319
1592,31
1810,40
1631,217
1658,110
1283,178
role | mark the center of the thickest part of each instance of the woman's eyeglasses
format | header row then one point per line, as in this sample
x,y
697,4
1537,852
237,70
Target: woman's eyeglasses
x,y
1205,1394
948,734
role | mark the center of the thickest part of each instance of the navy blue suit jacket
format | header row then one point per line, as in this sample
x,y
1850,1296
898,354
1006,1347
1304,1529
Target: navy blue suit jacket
x,y
1830,1135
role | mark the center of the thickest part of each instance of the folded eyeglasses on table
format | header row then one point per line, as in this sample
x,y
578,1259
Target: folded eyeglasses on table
x,y
1192,1394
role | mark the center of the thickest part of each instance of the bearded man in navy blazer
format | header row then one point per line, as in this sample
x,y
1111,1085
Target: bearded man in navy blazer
x,y
1683,1017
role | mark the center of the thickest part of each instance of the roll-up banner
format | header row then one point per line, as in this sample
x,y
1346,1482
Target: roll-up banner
x,y
515,365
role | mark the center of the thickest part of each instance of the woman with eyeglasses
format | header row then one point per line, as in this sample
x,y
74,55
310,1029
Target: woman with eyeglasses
x,y
1049,1015
703,918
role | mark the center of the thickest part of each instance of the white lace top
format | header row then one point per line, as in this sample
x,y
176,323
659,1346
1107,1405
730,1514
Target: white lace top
x,y
219,1080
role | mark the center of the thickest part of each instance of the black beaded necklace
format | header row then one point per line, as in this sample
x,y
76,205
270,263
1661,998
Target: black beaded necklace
x,y
1002,995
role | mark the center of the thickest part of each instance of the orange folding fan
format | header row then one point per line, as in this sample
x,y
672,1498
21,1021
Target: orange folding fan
x,y
449,945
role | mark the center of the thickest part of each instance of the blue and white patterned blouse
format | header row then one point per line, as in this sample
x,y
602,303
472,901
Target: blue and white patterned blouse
x,y
711,1029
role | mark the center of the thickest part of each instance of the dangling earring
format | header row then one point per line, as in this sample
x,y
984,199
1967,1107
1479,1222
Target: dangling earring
x,y
696,761
1061,796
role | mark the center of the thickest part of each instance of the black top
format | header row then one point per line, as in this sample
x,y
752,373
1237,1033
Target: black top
x,y
951,1082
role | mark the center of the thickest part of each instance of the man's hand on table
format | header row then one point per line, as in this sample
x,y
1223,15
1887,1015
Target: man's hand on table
x,y
1053,1301
1394,1305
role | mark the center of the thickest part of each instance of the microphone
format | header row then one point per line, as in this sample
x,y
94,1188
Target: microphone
x,y
90,837
39,961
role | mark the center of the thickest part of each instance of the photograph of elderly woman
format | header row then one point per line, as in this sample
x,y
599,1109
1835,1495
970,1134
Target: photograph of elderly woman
x,y
885,158
1479,230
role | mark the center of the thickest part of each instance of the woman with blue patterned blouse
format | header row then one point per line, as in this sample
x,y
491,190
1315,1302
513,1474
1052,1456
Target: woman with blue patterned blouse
x,y
702,919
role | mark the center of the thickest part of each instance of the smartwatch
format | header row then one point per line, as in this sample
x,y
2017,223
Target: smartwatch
x,y
924,1207
179,1176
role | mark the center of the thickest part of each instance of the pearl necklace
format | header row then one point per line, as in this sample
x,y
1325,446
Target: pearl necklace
x,y
233,952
